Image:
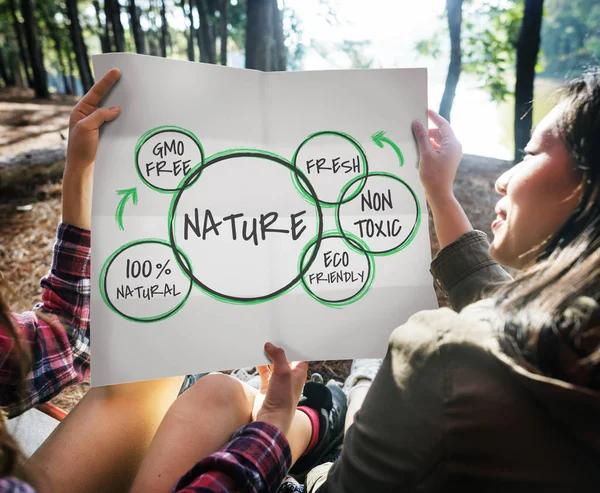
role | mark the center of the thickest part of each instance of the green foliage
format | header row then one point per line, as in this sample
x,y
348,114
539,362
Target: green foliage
x,y
570,36
292,28
430,47
355,50
489,33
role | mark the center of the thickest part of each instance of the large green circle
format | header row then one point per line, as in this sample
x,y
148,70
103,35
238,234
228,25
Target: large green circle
x,y
193,176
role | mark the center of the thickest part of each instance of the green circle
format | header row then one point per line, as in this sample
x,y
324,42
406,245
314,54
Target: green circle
x,y
151,133
408,239
104,272
194,175
362,176
366,286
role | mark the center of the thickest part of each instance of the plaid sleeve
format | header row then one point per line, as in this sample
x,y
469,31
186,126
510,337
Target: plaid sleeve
x,y
255,460
12,485
56,333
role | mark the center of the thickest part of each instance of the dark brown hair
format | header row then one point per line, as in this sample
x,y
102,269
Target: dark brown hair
x,y
553,304
10,455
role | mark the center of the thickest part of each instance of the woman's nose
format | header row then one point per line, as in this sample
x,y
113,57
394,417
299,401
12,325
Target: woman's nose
x,y
502,182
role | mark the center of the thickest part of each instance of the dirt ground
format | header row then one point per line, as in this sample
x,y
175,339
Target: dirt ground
x,y
28,224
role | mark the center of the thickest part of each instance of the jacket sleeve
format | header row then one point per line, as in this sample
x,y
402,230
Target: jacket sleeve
x,y
56,333
466,271
255,460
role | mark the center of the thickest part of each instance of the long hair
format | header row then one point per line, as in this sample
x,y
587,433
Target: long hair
x,y
10,455
553,304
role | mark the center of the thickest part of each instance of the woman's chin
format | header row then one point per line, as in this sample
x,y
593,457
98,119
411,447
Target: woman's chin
x,y
498,250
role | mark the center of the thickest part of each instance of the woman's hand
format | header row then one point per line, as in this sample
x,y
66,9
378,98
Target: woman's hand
x,y
441,153
86,119
280,389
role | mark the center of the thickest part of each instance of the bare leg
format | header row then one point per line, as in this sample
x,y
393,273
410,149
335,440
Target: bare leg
x,y
198,424
101,443
357,398
299,435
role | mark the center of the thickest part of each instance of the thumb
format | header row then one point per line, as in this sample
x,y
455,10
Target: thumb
x,y
277,356
421,136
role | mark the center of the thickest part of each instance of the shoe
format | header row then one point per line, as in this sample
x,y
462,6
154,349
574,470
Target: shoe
x,y
331,403
190,380
362,374
247,375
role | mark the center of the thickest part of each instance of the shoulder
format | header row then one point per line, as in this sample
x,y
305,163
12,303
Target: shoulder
x,y
426,334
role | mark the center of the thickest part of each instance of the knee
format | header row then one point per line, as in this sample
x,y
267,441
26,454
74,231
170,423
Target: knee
x,y
219,390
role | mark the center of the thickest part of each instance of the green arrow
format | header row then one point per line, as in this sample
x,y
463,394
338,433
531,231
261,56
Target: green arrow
x,y
380,140
130,192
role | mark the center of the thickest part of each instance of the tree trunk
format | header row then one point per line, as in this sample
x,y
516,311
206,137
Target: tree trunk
x,y
201,47
102,30
191,49
48,16
164,29
259,38
20,43
112,8
81,56
36,55
528,47
454,8
223,30
208,48
136,29
5,74
279,57
71,73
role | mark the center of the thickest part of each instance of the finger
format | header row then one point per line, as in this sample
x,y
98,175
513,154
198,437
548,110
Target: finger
x,y
296,364
436,146
264,373
98,117
441,123
422,137
434,133
92,99
300,368
277,356
436,118
100,88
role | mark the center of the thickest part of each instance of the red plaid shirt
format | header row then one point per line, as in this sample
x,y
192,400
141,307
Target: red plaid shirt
x,y
57,332
255,460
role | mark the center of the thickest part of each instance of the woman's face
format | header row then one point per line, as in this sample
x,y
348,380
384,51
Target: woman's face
x,y
538,195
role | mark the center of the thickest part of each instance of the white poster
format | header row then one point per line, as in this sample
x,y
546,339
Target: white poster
x,y
233,207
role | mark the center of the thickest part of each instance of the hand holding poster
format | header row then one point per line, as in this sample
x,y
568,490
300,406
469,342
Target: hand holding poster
x,y
232,207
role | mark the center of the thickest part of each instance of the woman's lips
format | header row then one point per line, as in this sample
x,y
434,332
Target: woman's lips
x,y
499,221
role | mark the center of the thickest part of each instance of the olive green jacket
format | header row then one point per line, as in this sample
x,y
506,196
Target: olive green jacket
x,y
449,411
